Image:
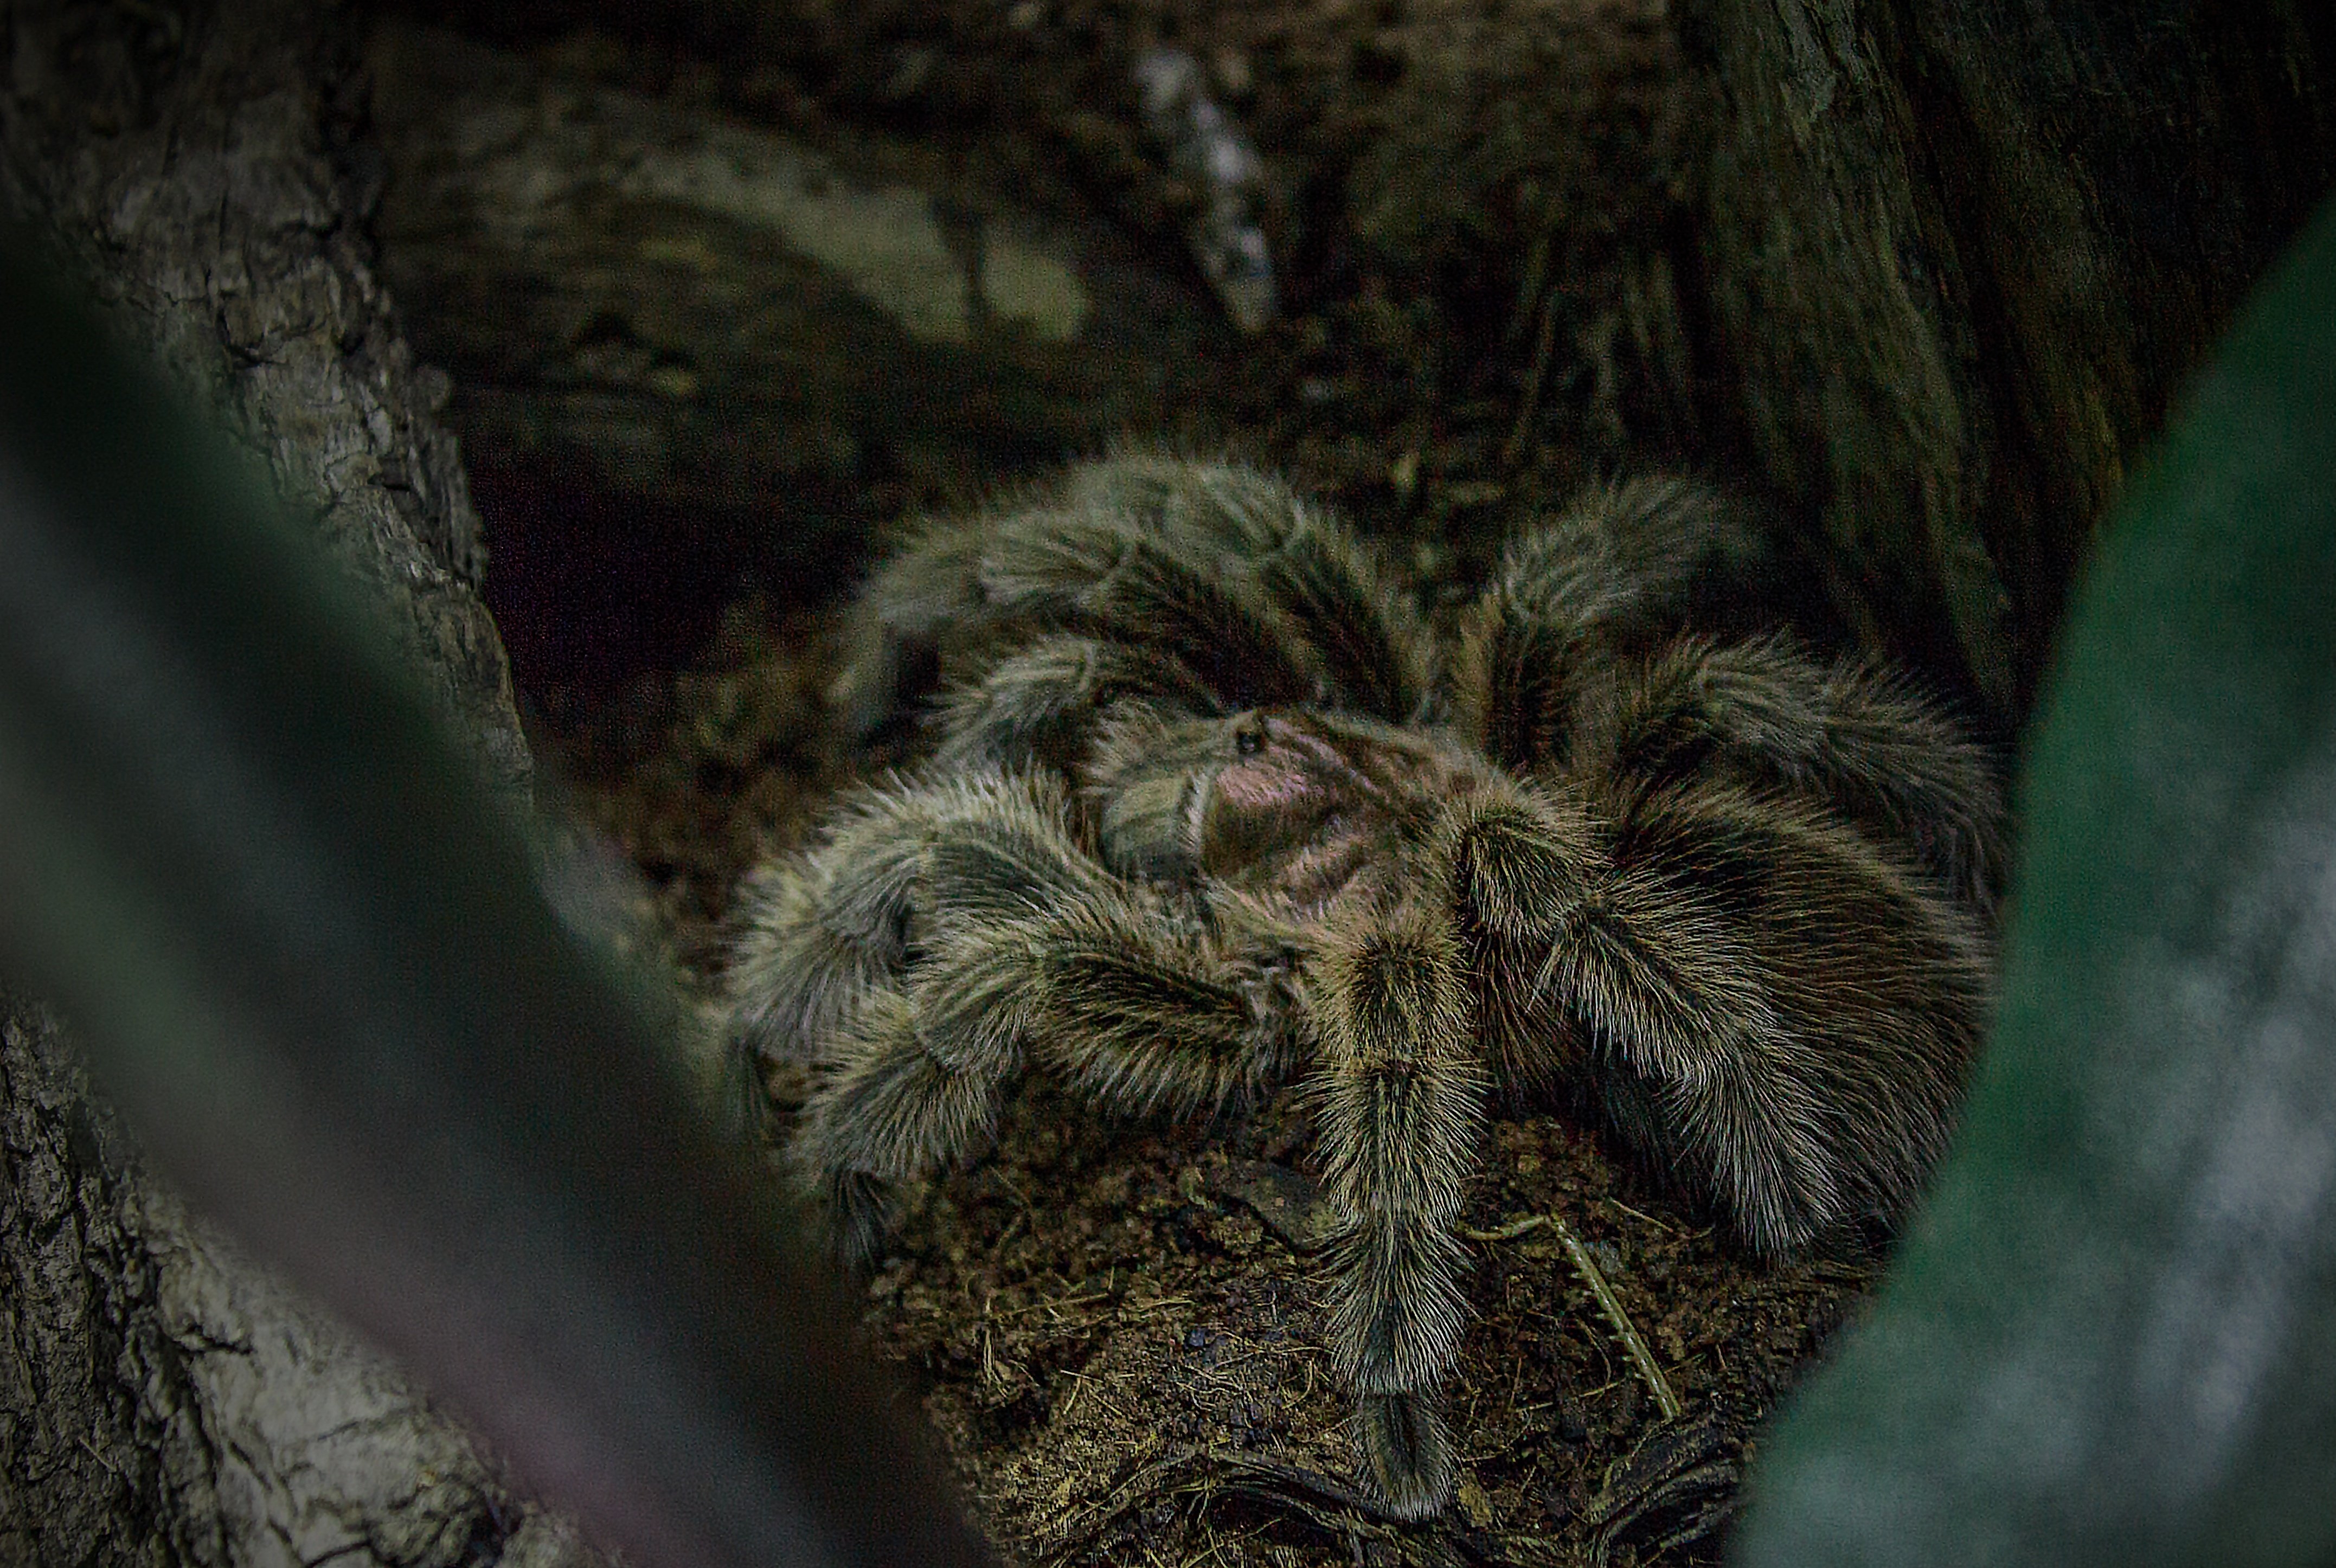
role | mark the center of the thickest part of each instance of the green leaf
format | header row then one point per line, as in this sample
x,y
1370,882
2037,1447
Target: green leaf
x,y
2112,1338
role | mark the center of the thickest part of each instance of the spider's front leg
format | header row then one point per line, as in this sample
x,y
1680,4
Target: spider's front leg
x,y
839,941
1639,982
847,918
1023,948
1092,989
1402,1107
1523,939
1404,1082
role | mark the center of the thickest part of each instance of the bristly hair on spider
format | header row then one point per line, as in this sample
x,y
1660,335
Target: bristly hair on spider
x,y
1212,802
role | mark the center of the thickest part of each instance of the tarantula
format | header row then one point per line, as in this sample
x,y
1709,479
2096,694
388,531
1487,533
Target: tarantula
x,y
1211,801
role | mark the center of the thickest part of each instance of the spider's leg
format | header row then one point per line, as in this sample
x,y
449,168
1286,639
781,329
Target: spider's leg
x,y
1844,734
1771,1009
1662,984
1374,649
822,927
1091,987
924,1017
1365,639
901,1099
1142,1019
1624,568
1647,555
1040,704
826,927
1023,946
1264,599
1402,1104
981,589
1873,986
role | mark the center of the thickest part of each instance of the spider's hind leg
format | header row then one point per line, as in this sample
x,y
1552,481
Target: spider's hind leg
x,y
1845,736
1258,596
1639,558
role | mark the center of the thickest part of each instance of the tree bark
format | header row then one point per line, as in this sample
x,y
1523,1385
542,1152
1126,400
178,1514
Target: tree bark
x,y
1961,256
163,1400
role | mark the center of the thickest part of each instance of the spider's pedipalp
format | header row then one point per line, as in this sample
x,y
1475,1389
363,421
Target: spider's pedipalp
x,y
1019,947
1149,1025
1141,790
1519,858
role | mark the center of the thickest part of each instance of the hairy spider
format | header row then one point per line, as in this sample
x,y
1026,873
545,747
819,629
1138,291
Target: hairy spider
x,y
1212,802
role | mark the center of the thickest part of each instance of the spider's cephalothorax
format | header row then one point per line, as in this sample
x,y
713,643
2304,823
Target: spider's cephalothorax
x,y
1210,802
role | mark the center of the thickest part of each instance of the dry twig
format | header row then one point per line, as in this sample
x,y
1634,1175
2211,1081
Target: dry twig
x,y
1610,1305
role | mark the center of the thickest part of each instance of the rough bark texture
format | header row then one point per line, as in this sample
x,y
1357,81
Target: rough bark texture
x,y
162,1399
198,167
1962,255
